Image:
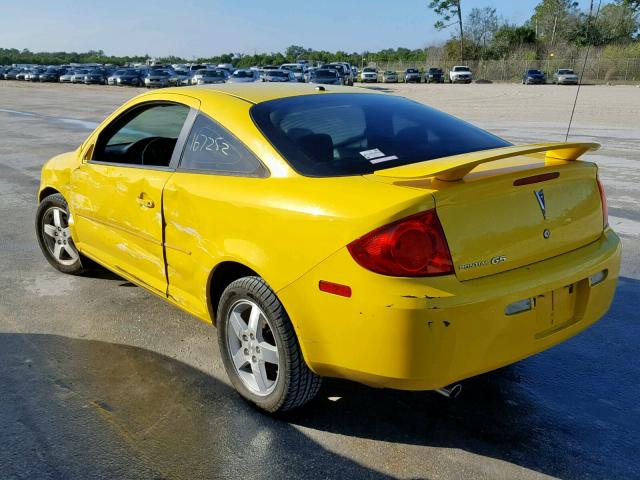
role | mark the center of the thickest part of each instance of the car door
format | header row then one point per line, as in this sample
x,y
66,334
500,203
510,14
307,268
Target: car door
x,y
116,192
204,207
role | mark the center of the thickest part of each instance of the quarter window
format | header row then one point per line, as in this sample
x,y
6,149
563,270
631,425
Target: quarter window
x,y
212,148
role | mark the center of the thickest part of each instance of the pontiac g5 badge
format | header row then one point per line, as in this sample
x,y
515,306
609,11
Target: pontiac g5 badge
x,y
540,197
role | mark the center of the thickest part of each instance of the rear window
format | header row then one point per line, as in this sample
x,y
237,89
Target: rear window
x,y
353,134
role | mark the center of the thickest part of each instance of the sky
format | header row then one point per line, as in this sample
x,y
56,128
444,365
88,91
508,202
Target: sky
x,y
203,28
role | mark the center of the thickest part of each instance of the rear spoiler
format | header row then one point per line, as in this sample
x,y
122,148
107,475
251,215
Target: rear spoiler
x,y
456,167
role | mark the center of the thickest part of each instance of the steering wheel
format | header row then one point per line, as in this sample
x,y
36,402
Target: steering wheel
x,y
134,152
158,151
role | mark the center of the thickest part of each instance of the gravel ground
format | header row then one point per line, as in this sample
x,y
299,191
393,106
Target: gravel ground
x,y
99,379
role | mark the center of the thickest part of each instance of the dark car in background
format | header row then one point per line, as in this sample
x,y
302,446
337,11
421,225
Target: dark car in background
x,y
533,76
434,75
12,73
34,74
52,74
97,76
130,77
345,74
325,76
412,75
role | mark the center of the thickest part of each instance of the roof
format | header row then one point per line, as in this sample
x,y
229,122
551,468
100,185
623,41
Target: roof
x,y
257,92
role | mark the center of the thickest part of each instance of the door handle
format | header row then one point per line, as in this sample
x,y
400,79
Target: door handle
x,y
145,201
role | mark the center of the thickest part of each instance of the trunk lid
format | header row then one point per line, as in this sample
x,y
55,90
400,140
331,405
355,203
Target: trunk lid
x,y
531,203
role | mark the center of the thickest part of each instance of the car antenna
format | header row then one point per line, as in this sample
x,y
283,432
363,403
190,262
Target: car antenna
x,y
584,65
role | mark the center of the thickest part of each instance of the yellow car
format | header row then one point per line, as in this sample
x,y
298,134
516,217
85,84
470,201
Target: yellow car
x,y
332,232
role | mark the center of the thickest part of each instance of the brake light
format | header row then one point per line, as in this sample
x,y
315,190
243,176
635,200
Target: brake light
x,y
605,208
412,247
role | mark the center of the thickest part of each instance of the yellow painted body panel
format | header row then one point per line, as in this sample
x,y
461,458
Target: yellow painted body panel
x,y
168,231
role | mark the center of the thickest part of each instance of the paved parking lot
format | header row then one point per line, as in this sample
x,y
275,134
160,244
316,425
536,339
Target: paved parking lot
x,y
99,379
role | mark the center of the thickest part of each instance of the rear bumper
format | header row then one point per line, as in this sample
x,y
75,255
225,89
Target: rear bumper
x,y
422,334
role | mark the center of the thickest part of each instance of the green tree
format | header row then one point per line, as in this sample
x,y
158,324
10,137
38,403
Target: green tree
x,y
553,18
447,9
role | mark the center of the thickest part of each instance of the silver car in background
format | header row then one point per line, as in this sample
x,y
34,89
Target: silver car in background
x,y
204,77
565,76
157,79
180,77
278,76
244,76
390,76
369,74
297,69
66,77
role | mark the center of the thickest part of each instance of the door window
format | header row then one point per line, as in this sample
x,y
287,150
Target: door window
x,y
145,135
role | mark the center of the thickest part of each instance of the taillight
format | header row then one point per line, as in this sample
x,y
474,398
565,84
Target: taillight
x,y
412,247
605,208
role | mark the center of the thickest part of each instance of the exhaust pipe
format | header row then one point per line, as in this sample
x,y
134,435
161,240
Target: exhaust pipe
x,y
450,391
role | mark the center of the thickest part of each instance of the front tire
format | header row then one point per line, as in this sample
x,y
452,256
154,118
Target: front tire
x,y
54,237
260,350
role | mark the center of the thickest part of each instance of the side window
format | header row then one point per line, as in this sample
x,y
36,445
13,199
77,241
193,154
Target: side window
x,y
212,148
145,135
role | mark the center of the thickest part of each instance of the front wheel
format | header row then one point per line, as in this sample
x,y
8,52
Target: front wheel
x,y
54,237
260,350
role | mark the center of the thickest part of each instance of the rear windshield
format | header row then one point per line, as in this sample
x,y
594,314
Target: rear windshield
x,y
325,73
534,72
565,72
460,69
354,134
368,69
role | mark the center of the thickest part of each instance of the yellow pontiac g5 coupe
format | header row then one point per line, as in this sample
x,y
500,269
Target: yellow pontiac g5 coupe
x,y
336,232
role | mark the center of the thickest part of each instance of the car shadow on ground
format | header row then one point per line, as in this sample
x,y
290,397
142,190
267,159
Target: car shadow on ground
x,y
86,409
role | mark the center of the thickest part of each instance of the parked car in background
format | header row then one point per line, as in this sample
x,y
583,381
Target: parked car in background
x,y
209,76
412,75
354,71
345,72
279,76
34,74
51,74
389,76
66,76
533,76
180,78
157,78
434,75
78,75
12,73
97,76
131,77
565,76
297,69
325,76
226,66
22,74
244,75
369,74
460,74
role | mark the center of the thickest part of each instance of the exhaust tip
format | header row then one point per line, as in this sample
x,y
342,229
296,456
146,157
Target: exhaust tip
x,y
451,391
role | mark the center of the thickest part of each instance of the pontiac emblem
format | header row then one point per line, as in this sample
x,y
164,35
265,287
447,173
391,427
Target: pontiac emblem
x,y
540,197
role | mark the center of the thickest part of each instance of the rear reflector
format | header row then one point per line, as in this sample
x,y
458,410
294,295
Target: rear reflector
x,y
536,179
597,278
335,288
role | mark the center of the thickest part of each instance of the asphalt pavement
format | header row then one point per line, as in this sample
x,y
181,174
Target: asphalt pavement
x,y
100,379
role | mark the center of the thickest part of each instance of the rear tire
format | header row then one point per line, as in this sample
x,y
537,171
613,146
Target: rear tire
x,y
260,350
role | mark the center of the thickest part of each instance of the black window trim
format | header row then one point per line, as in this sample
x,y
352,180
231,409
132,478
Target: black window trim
x,y
177,150
264,170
